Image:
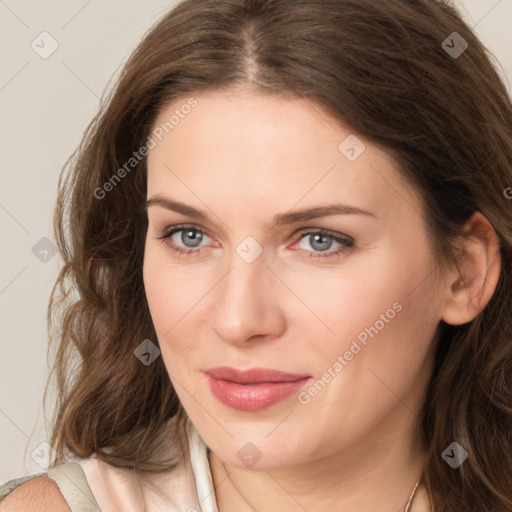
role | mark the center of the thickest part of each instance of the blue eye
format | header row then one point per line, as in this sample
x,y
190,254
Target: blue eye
x,y
189,234
321,241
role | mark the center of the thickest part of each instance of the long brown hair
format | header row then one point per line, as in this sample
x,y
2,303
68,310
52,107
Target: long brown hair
x,y
382,69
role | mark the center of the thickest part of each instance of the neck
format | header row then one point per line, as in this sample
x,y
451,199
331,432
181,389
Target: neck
x,y
378,472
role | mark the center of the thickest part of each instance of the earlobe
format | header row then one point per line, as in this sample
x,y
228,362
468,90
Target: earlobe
x,y
470,287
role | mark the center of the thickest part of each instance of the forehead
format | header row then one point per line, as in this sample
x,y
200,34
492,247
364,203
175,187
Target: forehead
x,y
269,150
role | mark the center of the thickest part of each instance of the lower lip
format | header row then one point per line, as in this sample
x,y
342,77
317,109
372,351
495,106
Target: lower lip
x,y
253,397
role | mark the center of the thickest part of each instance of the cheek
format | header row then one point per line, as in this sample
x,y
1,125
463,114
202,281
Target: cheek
x,y
384,335
334,308
164,291
373,316
371,359
176,295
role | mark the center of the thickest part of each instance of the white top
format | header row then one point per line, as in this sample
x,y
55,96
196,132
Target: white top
x,y
187,488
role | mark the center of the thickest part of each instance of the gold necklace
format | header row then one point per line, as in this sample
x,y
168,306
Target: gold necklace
x,y
409,503
407,507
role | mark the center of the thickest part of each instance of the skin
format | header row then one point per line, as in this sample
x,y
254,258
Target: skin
x,y
243,158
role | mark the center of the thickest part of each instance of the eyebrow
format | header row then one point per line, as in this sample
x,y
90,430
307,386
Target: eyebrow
x,y
278,220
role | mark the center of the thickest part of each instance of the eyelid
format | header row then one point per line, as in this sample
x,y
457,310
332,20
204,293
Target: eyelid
x,y
328,232
331,232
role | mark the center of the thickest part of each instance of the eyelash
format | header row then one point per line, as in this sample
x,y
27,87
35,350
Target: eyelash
x,y
347,242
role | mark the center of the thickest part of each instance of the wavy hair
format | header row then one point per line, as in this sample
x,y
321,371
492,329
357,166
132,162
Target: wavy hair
x,y
380,68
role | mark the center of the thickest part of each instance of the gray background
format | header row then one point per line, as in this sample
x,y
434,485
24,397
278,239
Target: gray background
x,y
45,105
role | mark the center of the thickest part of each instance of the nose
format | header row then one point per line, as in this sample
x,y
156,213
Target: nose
x,y
247,304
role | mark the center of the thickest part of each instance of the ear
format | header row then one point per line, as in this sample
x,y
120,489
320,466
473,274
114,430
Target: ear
x,y
470,287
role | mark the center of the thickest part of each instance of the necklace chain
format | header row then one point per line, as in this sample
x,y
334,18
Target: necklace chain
x,y
409,503
407,507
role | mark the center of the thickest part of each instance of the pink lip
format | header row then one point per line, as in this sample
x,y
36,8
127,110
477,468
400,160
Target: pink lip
x,y
253,389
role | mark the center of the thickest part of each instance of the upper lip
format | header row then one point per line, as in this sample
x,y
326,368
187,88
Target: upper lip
x,y
253,375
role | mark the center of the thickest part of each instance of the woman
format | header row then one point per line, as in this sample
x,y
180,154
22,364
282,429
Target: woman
x,y
287,274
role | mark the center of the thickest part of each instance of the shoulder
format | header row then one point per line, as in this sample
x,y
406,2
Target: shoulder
x,y
39,494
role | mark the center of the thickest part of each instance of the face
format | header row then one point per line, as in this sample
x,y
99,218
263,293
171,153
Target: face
x,y
343,300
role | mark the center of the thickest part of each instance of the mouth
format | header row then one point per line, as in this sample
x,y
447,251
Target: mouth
x,y
254,389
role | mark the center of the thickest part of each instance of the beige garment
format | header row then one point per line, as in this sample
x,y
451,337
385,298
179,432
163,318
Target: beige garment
x,y
90,485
